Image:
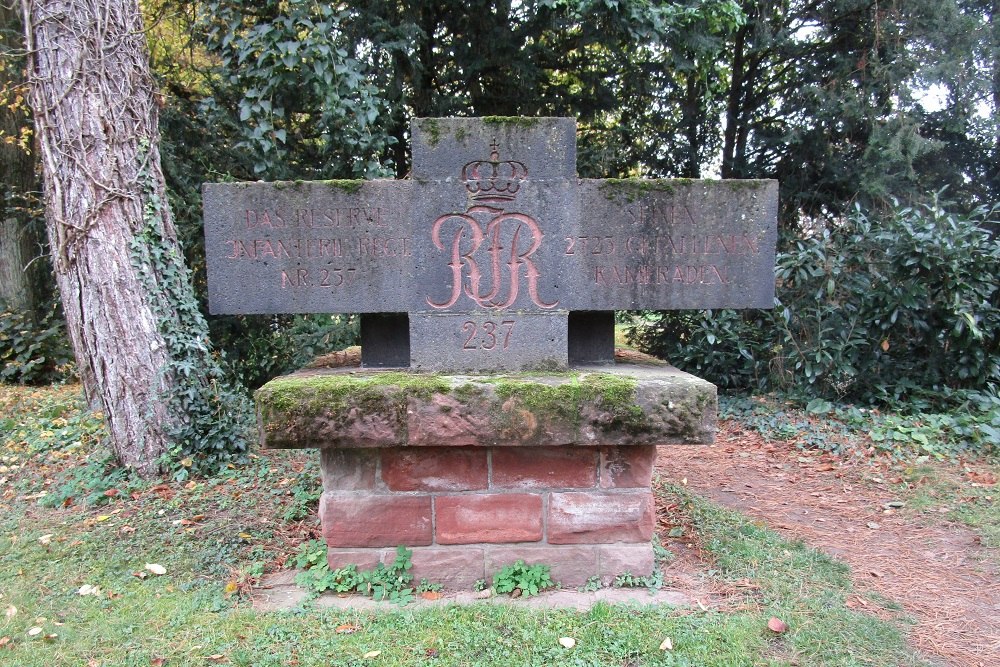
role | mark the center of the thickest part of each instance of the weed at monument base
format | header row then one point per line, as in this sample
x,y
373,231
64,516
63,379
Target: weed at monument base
x,y
528,579
383,582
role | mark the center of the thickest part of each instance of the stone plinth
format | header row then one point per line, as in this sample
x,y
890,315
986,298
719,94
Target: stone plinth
x,y
476,472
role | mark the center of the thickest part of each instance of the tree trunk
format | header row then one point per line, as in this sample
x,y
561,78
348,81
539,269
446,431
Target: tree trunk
x,y
96,117
18,169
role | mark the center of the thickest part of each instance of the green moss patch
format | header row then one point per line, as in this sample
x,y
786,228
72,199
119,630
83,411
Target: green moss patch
x,y
634,189
432,128
287,398
516,121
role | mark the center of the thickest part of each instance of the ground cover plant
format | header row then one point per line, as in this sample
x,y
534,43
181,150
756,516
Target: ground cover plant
x,y
100,569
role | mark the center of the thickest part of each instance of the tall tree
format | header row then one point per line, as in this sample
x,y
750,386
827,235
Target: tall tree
x,y
140,342
17,167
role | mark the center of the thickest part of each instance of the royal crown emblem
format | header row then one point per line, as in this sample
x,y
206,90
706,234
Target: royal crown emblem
x,y
494,180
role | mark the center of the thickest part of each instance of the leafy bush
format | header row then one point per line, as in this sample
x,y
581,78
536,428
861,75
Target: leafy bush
x,y
905,308
34,351
259,348
969,428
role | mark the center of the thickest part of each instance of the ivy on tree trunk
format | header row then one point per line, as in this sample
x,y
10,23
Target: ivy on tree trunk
x,y
140,343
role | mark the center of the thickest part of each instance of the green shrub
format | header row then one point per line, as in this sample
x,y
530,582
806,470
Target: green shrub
x,y
259,348
902,309
34,350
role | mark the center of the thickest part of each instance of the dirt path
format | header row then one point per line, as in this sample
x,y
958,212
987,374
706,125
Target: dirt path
x,y
934,569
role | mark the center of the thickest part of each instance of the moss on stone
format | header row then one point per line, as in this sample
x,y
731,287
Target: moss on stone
x,y
432,128
525,407
633,189
312,395
560,400
516,121
348,186
741,184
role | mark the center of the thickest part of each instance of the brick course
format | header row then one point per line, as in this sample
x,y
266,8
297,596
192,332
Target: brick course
x,y
627,467
375,520
434,469
490,518
544,467
596,517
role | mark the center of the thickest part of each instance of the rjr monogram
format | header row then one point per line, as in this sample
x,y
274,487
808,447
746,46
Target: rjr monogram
x,y
490,249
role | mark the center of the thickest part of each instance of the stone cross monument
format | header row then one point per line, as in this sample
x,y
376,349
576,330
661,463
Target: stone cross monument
x,y
498,270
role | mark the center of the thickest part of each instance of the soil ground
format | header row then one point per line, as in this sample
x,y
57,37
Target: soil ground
x,y
933,571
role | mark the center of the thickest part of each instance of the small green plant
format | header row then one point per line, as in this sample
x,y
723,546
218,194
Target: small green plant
x,y
479,586
592,584
628,580
305,493
528,579
426,586
383,582
661,554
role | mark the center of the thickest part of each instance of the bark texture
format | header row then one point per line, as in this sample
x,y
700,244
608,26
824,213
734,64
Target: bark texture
x,y
95,111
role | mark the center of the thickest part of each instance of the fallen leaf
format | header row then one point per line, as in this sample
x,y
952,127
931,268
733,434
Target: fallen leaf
x,y
187,462
873,525
88,589
4,641
111,493
371,654
775,624
346,629
51,636
156,568
567,642
45,540
191,485
11,612
140,575
430,595
984,478
667,645
217,657
157,662
35,631
231,587
103,517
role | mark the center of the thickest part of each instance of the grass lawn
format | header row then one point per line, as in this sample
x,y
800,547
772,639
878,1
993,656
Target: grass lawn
x,y
68,523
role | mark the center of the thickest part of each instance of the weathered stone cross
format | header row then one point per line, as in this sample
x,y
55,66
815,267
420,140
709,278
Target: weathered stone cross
x,y
493,255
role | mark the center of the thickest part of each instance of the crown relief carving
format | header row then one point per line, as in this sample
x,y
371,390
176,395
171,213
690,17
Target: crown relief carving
x,y
494,180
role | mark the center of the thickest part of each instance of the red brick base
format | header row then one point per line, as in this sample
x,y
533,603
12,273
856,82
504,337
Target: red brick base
x,y
469,511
